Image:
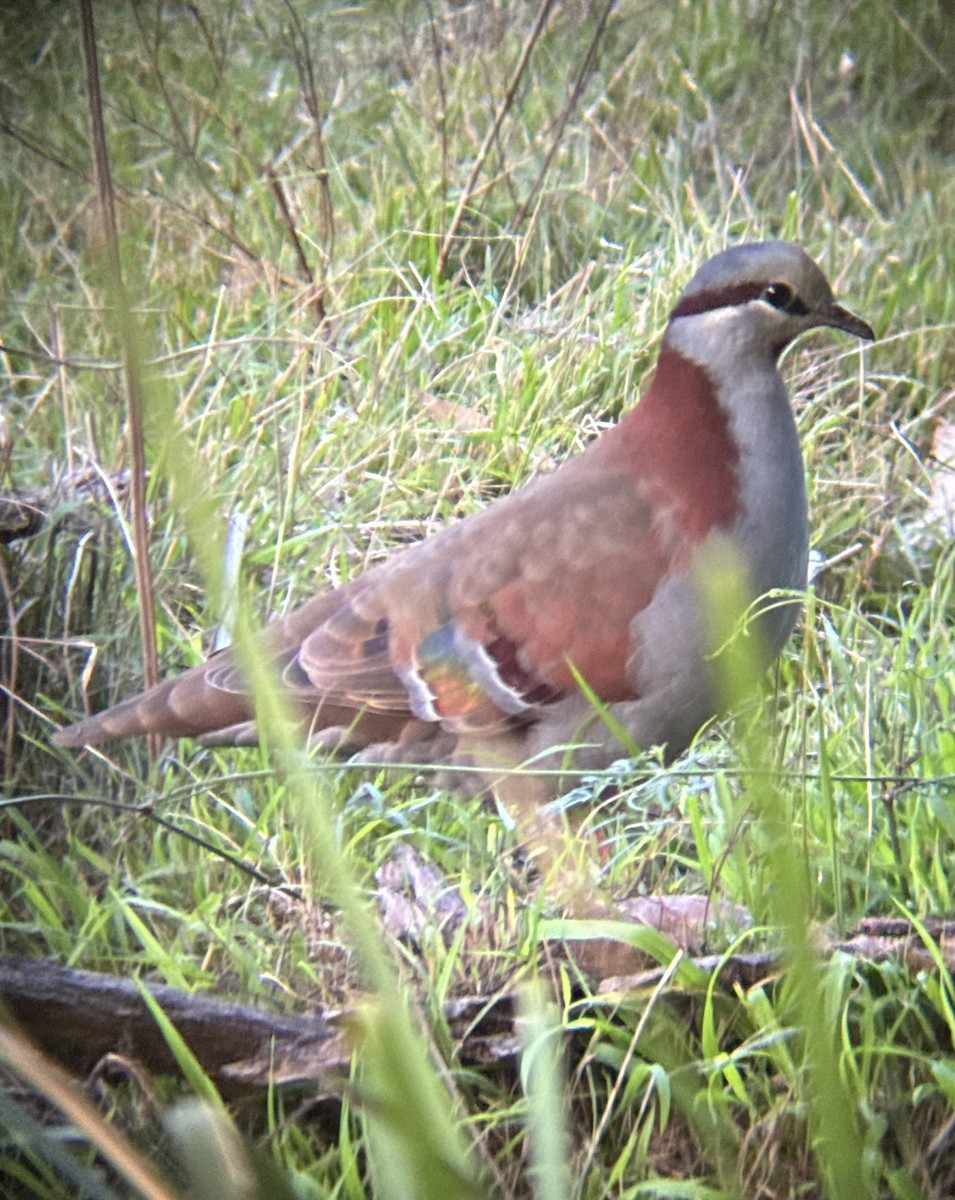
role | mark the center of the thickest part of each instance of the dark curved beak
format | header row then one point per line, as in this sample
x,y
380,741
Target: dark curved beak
x,y
840,318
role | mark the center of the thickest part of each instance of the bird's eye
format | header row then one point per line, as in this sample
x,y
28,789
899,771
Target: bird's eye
x,y
781,296
778,295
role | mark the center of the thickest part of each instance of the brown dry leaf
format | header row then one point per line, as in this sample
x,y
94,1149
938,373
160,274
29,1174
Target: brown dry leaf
x,y
686,920
458,416
415,897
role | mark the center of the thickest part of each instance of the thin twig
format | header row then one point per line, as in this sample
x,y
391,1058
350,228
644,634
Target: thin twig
x,y
131,363
586,69
316,293
225,231
216,54
489,138
305,66
11,651
56,330
182,142
442,99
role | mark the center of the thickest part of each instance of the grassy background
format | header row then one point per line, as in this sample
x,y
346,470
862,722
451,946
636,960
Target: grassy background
x,y
265,155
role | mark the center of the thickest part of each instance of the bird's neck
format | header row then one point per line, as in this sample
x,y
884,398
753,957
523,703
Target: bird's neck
x,y
679,442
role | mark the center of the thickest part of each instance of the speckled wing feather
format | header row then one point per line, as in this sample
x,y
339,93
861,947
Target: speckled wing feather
x,y
490,619
475,628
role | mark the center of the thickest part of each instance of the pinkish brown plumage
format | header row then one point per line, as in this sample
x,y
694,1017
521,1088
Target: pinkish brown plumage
x,y
469,647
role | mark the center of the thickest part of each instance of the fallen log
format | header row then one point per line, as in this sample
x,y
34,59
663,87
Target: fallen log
x,y
80,1017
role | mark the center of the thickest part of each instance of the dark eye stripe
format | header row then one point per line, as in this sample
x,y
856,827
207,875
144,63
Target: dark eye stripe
x,y
740,293
709,301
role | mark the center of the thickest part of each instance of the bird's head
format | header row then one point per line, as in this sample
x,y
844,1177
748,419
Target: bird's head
x,y
759,295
